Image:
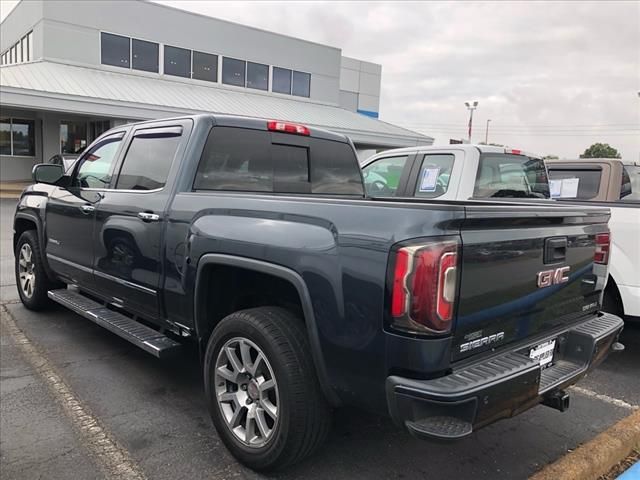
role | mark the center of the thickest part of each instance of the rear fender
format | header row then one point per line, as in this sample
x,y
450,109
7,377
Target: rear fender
x,y
286,274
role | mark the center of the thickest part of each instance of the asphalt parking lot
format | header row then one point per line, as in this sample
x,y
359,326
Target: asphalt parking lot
x,y
154,412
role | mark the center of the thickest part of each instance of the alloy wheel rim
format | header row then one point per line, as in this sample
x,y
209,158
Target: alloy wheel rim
x,y
26,270
247,392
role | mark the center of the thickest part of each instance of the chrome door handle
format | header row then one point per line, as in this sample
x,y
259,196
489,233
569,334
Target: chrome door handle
x,y
87,208
149,217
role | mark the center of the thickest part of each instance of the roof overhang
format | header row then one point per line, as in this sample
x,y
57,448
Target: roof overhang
x,y
57,87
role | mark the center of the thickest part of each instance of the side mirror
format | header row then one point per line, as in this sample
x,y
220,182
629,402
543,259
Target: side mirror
x,y
49,173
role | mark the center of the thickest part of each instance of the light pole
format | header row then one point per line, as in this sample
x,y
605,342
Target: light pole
x,y
486,133
471,107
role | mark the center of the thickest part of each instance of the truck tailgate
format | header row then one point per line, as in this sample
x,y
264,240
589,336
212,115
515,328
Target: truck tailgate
x,y
515,284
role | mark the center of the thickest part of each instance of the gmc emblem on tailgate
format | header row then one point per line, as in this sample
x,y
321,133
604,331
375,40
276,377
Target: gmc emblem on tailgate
x,y
547,278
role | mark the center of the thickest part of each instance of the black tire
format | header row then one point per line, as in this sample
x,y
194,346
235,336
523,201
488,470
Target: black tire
x,y
612,302
304,416
41,284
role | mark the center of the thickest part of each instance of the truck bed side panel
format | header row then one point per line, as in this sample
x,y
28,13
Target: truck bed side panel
x,y
340,248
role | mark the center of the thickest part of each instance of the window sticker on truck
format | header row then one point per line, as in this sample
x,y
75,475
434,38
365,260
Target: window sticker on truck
x,y
555,188
564,188
429,180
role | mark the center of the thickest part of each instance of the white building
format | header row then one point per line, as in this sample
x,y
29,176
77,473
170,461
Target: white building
x,y
71,70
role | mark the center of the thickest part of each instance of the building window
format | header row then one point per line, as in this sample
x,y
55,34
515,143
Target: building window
x,y
97,128
5,136
115,50
257,76
17,137
301,84
30,46
24,49
281,80
177,61
205,66
233,71
73,137
144,55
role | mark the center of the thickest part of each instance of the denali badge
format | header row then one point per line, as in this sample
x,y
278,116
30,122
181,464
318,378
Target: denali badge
x,y
547,278
481,342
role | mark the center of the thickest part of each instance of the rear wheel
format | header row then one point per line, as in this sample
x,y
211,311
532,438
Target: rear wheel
x,y
263,394
31,278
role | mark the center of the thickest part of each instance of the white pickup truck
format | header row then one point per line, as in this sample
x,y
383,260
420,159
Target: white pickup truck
x,y
462,172
456,172
615,184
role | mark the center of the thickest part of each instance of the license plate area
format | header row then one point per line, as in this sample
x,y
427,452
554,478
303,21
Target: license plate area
x,y
543,353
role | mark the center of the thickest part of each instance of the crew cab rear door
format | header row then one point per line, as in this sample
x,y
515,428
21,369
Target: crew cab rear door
x,y
130,218
526,270
436,174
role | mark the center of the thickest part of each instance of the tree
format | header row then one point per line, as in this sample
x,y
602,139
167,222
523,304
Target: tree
x,y
550,157
600,150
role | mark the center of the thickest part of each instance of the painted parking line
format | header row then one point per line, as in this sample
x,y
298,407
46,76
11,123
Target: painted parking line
x,y
114,460
632,473
605,398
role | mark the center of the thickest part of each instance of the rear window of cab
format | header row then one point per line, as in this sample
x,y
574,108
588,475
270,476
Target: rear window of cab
x,y
242,159
502,175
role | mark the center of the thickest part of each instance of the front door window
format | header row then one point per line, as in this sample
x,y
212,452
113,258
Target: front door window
x,y
95,167
382,177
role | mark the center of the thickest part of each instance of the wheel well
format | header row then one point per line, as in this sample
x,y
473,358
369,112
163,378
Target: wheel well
x,y
225,289
20,226
612,289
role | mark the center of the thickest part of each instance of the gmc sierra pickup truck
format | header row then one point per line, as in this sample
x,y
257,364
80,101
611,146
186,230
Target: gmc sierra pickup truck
x,y
255,241
614,184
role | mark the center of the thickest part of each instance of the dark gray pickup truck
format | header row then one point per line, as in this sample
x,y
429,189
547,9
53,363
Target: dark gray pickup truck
x,y
254,241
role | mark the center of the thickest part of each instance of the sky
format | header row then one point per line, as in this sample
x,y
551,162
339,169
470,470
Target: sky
x,y
552,77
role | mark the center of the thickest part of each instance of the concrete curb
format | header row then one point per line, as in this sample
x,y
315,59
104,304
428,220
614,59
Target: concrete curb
x,y
596,457
12,189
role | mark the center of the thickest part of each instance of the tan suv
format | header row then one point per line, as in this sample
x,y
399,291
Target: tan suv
x,y
600,179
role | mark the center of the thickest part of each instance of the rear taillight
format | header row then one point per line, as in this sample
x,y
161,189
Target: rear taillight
x,y
286,127
424,287
603,243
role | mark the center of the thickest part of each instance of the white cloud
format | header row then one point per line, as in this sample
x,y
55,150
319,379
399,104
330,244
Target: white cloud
x,y
554,66
544,72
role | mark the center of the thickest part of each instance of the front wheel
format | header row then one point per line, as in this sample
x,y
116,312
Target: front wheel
x,y
263,394
31,278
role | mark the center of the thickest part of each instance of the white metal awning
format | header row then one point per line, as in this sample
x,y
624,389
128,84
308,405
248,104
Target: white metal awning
x,y
54,86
